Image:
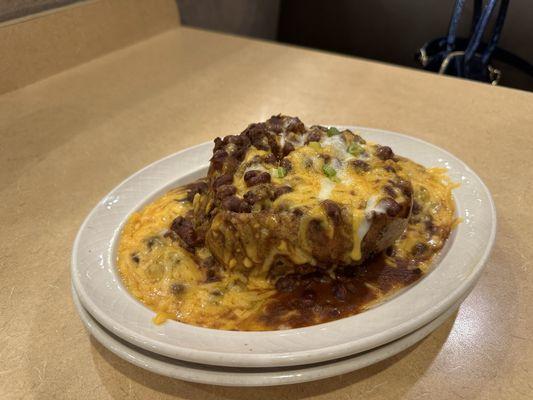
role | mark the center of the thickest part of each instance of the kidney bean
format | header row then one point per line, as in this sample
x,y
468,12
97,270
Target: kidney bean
x,y
294,125
286,163
281,190
248,175
392,208
239,153
177,288
390,191
258,193
225,191
258,135
416,208
333,211
219,144
298,212
314,136
218,159
256,177
194,188
309,294
222,180
359,139
275,123
245,207
405,187
208,262
270,158
384,153
360,165
431,227
339,291
185,230
332,312
232,203
211,276
286,284
287,149
419,249
239,140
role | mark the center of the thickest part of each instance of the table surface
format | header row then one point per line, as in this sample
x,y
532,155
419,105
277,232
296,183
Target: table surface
x,y
69,139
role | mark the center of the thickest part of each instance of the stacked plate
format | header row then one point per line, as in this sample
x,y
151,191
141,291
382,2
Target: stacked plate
x,y
124,325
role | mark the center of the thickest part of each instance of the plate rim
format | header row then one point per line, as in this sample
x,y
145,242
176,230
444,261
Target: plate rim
x,y
302,356
287,376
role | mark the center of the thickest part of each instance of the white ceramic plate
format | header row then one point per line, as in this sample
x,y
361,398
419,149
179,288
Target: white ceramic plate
x,y
231,376
101,291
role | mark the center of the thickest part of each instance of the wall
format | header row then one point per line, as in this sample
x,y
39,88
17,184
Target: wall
x,y
257,18
385,30
10,9
392,30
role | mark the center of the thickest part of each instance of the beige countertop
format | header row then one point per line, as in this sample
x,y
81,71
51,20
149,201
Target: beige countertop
x,y
70,138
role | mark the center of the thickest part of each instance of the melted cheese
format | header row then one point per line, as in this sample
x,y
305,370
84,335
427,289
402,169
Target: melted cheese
x,y
348,187
326,187
360,227
167,278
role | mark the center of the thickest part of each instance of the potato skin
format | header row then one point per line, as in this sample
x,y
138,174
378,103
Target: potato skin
x,y
252,242
266,235
243,241
384,230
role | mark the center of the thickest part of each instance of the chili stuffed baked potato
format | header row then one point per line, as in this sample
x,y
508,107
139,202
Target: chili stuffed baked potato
x,y
281,196
282,231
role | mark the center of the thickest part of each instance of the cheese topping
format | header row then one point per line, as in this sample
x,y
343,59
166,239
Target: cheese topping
x,y
175,283
345,185
326,187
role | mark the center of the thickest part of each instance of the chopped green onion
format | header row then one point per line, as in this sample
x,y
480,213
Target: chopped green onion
x,y
315,145
329,171
355,149
423,194
280,172
332,131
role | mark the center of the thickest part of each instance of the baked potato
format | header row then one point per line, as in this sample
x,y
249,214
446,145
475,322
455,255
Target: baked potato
x,y
280,232
280,195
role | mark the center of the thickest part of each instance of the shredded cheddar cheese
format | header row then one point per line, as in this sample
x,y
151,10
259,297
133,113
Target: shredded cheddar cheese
x,y
169,279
